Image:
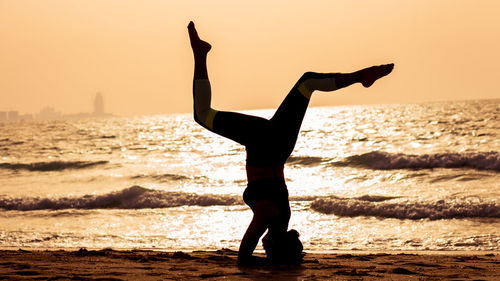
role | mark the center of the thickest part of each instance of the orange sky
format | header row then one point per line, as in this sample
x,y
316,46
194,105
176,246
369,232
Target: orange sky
x,y
136,52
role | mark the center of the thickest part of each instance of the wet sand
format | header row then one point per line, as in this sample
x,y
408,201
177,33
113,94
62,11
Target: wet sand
x,y
110,264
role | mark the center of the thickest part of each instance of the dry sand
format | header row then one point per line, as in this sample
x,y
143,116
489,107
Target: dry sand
x,y
215,265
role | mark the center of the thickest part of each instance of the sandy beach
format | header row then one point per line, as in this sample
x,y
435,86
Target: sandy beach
x,y
110,264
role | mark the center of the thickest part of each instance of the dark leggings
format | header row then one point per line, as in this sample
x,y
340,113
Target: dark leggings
x,y
268,142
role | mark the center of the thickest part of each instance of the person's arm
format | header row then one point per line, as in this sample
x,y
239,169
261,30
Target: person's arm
x,y
263,214
250,241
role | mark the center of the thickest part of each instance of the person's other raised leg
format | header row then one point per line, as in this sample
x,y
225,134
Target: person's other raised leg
x,y
327,82
288,118
239,127
200,51
202,96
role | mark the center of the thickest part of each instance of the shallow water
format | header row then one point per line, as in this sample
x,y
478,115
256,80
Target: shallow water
x,y
375,177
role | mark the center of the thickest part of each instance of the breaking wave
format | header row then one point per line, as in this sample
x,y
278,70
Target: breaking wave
x,y
134,197
369,198
387,161
162,177
306,160
51,166
354,207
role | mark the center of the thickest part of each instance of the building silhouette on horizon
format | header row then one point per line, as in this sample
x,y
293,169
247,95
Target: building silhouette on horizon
x,y
49,113
98,105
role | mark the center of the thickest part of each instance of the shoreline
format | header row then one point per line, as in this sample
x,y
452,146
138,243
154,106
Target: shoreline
x,y
260,251
140,264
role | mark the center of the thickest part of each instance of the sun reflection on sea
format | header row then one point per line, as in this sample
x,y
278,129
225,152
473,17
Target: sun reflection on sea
x,y
414,177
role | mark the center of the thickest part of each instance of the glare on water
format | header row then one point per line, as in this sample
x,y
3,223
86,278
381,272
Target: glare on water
x,y
413,177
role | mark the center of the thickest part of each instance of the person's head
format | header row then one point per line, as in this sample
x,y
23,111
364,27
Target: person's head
x,y
283,249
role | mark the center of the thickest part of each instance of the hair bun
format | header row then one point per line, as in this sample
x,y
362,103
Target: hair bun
x,y
293,232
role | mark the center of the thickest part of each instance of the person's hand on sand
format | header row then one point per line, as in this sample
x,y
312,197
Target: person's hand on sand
x,y
253,261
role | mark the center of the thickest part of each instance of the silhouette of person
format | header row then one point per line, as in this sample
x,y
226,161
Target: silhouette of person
x,y
268,144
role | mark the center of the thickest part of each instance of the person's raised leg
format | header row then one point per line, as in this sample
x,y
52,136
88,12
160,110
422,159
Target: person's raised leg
x,y
202,95
239,127
288,117
328,82
200,51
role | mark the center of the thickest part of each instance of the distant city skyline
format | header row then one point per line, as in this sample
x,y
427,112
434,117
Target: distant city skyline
x,y
50,113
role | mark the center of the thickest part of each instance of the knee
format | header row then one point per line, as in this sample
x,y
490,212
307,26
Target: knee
x,y
197,119
306,75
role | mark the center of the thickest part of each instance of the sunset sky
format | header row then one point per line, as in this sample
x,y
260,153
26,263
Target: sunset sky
x,y
59,53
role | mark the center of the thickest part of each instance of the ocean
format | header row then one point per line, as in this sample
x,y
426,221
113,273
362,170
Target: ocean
x,y
409,177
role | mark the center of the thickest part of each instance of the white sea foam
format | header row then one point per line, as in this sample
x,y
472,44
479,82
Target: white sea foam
x,y
134,197
305,160
389,161
442,209
161,177
51,165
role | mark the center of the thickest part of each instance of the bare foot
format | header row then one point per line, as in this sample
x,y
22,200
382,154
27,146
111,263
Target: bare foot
x,y
199,46
371,74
